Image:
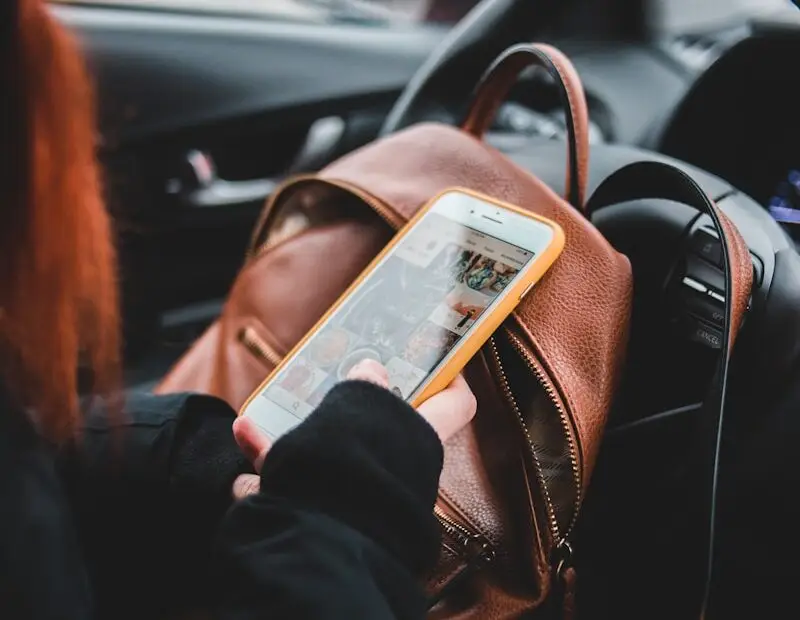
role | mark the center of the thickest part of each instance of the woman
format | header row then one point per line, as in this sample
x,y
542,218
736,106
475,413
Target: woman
x,y
100,500
111,512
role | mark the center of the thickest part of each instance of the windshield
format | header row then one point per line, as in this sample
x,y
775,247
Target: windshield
x,y
379,11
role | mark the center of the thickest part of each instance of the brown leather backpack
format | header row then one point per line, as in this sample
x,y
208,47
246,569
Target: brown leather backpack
x,y
513,481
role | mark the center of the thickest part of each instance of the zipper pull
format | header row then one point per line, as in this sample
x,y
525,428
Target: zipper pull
x,y
478,552
564,582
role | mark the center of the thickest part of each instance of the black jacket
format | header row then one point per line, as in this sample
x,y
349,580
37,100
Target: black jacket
x,y
121,523
344,523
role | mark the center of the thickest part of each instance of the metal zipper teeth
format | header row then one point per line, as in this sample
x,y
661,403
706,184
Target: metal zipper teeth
x,y
464,536
550,392
258,346
551,513
566,426
476,551
385,212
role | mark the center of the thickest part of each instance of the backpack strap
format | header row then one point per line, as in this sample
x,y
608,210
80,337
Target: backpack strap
x,y
650,179
496,83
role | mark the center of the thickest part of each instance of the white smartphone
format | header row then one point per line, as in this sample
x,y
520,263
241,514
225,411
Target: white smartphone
x,y
422,308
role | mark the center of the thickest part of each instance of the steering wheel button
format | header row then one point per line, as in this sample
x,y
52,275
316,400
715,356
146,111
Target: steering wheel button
x,y
717,296
705,273
707,336
706,245
694,284
703,307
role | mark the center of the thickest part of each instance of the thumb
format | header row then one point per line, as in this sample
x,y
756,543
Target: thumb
x,y
370,370
252,441
451,409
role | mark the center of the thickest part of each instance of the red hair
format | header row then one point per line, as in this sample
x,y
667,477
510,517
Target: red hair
x,y
58,293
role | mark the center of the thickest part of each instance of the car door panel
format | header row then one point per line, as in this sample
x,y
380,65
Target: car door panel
x,y
160,71
256,98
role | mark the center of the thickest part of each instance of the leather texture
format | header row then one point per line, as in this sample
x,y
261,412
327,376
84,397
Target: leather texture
x,y
544,386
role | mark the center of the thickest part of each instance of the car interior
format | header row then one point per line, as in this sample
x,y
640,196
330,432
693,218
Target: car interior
x,y
206,107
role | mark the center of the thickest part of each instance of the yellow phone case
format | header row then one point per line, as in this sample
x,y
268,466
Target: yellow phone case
x,y
477,338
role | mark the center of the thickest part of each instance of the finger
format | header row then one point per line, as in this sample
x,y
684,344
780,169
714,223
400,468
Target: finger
x,y
451,409
252,441
370,370
246,485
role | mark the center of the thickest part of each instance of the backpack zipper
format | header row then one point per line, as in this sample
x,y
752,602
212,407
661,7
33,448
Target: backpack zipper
x,y
477,543
259,347
476,550
384,211
560,538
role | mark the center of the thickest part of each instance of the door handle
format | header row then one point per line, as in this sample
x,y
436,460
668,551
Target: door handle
x,y
221,193
201,187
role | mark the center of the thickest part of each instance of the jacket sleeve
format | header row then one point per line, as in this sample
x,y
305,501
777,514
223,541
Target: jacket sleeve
x,y
42,575
148,488
343,526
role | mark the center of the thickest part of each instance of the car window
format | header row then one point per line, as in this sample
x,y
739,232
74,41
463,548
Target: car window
x,y
389,12
691,15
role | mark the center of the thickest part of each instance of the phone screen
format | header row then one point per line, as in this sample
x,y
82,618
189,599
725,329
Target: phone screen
x,y
409,313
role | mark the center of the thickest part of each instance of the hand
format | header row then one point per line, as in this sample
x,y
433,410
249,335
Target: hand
x,y
447,412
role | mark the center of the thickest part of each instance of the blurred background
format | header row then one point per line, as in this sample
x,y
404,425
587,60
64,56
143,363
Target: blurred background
x,y
206,105
674,14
